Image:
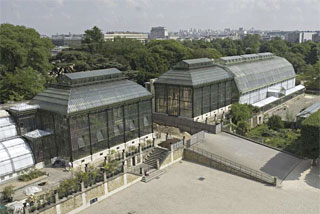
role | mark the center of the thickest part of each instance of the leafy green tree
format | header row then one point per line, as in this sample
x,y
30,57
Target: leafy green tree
x,y
240,112
93,39
242,128
314,55
275,122
251,43
310,138
20,85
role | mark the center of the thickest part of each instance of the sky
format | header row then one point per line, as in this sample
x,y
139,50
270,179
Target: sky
x,y
50,17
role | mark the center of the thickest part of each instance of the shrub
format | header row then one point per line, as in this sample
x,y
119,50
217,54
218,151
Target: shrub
x,y
7,193
242,128
240,112
275,122
31,175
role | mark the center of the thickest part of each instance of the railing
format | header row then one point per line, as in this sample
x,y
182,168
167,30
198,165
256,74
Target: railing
x,y
236,166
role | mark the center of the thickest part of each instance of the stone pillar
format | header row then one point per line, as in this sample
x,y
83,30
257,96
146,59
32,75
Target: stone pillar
x,y
136,160
124,157
25,208
83,194
184,140
124,170
56,196
158,164
105,182
171,154
141,171
153,142
140,153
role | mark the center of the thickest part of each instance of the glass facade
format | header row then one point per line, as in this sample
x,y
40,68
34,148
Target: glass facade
x,y
88,133
190,101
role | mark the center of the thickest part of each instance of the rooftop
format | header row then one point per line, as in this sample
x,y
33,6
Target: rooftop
x,y
310,110
89,77
73,100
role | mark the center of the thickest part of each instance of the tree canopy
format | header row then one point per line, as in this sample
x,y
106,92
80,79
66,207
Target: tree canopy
x,y
25,65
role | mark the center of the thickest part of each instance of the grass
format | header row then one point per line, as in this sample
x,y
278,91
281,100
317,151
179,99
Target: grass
x,y
286,139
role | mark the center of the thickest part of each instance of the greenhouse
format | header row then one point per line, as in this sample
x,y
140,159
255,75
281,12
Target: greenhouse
x,y
192,88
259,76
92,111
15,153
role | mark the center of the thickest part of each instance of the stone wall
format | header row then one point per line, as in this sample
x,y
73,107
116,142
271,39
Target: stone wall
x,y
131,177
95,192
71,204
115,183
178,154
80,201
51,210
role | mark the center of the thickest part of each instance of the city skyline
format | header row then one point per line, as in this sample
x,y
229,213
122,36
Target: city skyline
x,y
64,16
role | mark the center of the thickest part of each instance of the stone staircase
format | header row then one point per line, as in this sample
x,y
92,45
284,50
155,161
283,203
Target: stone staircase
x,y
157,153
152,174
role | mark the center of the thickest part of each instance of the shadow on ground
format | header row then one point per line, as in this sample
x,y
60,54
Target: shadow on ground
x,y
313,177
281,165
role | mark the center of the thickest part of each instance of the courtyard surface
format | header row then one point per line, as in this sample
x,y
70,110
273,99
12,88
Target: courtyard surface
x,y
255,156
188,188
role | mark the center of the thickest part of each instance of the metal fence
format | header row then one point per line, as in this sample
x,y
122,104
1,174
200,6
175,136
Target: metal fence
x,y
236,166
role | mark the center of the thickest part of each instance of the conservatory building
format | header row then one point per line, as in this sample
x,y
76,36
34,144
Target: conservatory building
x,y
194,88
262,79
91,112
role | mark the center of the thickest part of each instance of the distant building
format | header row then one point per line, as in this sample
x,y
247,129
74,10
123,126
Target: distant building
x,y
299,37
67,39
142,37
159,33
316,37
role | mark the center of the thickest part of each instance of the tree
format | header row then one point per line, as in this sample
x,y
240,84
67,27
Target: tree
x,y
23,84
310,138
93,39
240,112
242,128
275,122
8,193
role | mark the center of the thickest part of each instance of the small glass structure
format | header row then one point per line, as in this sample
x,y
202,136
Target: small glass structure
x,y
192,88
91,111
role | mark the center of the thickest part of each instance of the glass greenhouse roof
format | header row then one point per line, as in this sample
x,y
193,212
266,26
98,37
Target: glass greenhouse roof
x,y
256,74
15,155
89,77
194,77
72,100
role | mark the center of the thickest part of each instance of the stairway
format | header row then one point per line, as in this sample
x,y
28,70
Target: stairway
x,y
157,153
152,175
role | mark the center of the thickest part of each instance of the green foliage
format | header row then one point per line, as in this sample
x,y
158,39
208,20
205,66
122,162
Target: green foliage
x,y
68,187
240,112
93,39
242,128
275,122
22,84
31,175
310,138
8,193
23,56
111,167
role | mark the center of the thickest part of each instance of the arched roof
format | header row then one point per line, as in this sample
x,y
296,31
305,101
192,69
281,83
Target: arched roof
x,y
251,75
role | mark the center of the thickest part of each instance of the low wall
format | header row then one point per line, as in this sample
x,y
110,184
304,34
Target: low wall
x,y
82,200
184,124
173,157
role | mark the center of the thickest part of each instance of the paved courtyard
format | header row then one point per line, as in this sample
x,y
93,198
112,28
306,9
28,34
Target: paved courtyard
x,y
180,191
255,156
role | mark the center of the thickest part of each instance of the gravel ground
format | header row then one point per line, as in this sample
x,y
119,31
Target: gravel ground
x,y
179,191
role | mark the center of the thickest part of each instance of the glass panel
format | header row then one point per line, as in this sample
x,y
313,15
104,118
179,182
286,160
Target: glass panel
x,y
228,92
80,140
186,102
161,98
145,117
131,121
98,131
173,100
115,123
205,99
222,94
197,97
214,97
